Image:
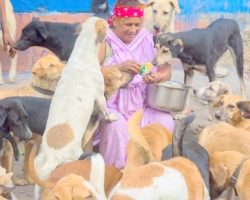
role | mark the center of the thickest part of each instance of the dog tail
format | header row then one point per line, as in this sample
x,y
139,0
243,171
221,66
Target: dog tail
x,y
32,170
137,137
178,134
97,174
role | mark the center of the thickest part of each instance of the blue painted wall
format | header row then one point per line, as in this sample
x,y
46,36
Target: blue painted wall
x,y
187,6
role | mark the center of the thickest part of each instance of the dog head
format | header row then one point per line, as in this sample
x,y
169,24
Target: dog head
x,y
222,165
214,90
13,117
167,47
244,107
72,187
46,72
226,108
34,33
114,79
5,179
162,14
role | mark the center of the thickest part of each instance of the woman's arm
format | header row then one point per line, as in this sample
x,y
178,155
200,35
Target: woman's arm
x,y
7,40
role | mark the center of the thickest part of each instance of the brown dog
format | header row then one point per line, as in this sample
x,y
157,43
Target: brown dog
x,y
223,166
228,111
153,139
225,137
78,167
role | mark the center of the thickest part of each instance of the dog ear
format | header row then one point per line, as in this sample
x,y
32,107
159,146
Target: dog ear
x,y
177,47
41,29
176,6
223,91
3,115
150,3
219,173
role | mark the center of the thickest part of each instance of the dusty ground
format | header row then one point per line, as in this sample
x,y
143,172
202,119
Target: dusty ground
x,y
26,192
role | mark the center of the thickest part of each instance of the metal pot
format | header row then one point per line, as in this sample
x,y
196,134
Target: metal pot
x,y
167,96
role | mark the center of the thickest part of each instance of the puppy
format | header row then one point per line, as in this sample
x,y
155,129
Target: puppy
x,y
244,107
228,165
227,110
224,137
11,22
83,168
159,15
22,116
210,93
199,52
79,89
169,179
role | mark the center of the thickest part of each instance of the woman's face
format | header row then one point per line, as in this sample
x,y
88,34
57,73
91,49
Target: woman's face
x,y
127,28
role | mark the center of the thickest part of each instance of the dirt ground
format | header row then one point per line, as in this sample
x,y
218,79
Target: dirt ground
x,y
201,111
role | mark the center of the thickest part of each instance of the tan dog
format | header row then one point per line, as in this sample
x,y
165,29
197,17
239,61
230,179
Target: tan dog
x,y
11,22
227,110
225,137
223,165
159,15
177,178
210,93
152,139
46,72
82,168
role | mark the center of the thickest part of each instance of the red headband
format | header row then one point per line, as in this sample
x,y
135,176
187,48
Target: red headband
x,y
125,12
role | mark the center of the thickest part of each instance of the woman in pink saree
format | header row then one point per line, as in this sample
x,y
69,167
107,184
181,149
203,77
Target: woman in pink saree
x,y
127,47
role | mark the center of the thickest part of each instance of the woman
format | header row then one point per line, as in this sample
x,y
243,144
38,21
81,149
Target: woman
x,y
127,47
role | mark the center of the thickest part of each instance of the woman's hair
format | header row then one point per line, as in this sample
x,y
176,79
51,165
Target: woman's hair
x,y
130,3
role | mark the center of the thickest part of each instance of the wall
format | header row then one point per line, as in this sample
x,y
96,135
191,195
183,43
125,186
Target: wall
x,y
194,13
187,6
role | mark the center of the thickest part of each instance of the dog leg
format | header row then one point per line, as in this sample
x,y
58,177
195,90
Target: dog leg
x,y
28,146
102,106
88,135
12,71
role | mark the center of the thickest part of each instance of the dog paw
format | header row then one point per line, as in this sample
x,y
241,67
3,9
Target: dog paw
x,y
111,117
181,115
19,181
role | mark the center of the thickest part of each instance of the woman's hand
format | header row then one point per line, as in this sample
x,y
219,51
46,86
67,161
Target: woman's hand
x,y
130,66
163,74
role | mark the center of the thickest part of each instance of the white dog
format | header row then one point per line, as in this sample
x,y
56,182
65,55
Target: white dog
x,y
11,22
160,15
81,87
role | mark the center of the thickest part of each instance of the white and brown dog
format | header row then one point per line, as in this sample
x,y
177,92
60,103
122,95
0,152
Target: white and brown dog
x,y
11,22
177,178
160,15
80,88
210,93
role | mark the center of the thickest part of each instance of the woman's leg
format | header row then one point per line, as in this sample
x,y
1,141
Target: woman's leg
x,y
113,140
155,116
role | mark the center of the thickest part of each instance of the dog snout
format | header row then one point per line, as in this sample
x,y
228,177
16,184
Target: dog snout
x,y
217,115
156,28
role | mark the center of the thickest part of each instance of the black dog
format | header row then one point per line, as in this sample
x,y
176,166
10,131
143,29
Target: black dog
x,y
200,49
57,37
189,149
